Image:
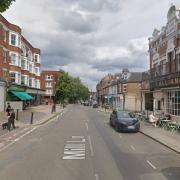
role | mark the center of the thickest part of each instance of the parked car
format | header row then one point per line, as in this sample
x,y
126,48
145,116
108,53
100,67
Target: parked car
x,y
95,105
86,103
124,121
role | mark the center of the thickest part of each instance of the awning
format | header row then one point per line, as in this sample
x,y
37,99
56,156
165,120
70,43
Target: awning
x,y
22,95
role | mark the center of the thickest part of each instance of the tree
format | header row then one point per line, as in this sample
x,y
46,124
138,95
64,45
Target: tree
x,y
4,5
70,89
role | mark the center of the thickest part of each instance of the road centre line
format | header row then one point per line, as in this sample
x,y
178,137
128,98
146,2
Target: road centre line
x,y
87,128
154,167
91,147
97,176
132,147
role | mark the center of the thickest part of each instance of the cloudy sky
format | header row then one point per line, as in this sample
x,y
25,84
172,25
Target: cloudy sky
x,y
90,38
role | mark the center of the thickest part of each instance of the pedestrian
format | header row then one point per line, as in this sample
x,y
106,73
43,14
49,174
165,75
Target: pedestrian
x,y
8,109
11,119
53,108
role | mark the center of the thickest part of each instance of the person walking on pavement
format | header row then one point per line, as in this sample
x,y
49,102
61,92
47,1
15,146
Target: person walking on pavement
x,y
8,109
53,108
11,120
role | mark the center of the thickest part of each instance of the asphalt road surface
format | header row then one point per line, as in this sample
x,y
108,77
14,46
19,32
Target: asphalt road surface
x,y
80,145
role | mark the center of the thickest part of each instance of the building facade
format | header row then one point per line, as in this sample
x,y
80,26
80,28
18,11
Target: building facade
x,y
49,80
164,52
121,91
19,61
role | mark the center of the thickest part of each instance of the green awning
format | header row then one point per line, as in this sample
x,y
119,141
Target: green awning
x,y
22,95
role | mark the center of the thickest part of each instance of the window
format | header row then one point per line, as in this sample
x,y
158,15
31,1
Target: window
x,y
30,82
23,79
49,91
23,64
48,84
13,39
124,87
37,71
13,58
36,58
173,103
31,68
49,77
5,74
4,56
4,35
13,77
159,105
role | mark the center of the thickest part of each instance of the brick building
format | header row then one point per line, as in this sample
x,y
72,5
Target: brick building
x,y
49,80
164,52
19,62
121,91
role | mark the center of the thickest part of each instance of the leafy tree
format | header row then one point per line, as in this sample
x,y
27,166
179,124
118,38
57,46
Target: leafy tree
x,y
4,5
70,89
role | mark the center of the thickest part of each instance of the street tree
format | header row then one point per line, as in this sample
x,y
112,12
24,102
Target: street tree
x,y
71,89
4,5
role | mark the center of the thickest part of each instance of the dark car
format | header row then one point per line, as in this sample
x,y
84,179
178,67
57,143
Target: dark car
x,y
124,121
95,105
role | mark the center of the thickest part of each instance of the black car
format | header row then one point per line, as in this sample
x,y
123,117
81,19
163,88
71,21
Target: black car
x,y
124,121
95,105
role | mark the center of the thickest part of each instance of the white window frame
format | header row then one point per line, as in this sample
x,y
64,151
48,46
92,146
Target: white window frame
x,y
17,39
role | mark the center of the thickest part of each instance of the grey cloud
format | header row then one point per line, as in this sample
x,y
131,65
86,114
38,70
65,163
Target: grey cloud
x,y
70,31
97,5
74,21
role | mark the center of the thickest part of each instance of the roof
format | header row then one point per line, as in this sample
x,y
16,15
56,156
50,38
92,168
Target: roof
x,y
135,77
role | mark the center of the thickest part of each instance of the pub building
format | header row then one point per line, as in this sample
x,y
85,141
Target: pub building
x,y
164,53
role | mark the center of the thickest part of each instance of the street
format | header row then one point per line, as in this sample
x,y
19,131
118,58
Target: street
x,y
80,145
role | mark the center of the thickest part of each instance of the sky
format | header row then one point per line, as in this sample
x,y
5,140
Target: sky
x,y
90,38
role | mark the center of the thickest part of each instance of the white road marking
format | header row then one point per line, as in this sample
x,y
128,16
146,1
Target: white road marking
x,y
83,140
24,130
75,149
132,147
120,136
17,139
97,176
77,137
91,147
87,128
154,167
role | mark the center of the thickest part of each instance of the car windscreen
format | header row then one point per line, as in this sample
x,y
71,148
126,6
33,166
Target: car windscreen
x,y
124,115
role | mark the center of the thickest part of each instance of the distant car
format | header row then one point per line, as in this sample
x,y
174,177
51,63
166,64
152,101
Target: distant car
x,y
95,105
124,121
86,103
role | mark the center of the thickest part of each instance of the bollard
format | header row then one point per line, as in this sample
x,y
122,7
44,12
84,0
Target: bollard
x,y
17,114
32,116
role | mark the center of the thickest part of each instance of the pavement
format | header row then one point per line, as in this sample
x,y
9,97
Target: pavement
x,y
41,114
79,144
171,139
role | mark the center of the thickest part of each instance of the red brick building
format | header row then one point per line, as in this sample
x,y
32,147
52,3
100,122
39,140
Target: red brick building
x,y
19,61
49,80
